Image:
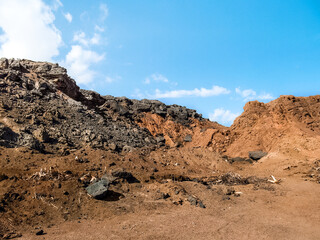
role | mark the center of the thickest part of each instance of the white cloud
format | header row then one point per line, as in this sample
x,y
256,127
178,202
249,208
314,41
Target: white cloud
x,y
95,39
68,16
56,4
81,57
249,94
202,92
79,62
265,96
28,30
81,38
223,116
98,28
104,11
156,77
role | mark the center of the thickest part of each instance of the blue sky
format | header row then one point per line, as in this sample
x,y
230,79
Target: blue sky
x,y
208,55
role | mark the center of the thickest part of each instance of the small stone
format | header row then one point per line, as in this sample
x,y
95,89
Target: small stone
x,y
165,195
3,177
201,205
99,189
230,191
112,146
192,200
127,149
160,139
11,235
188,138
257,155
40,232
240,159
112,164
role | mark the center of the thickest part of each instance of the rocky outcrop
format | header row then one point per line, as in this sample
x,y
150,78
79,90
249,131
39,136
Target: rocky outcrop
x,y
41,107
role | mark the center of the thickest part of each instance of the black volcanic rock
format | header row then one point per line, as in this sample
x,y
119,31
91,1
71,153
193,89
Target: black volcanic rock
x,y
44,109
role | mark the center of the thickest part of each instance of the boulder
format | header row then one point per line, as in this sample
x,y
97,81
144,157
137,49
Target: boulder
x,y
98,190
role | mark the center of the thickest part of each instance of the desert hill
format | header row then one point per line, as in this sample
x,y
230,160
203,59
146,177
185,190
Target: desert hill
x,y
78,165
285,124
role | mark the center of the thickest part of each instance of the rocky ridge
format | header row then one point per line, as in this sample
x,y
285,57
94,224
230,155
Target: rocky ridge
x,y
42,108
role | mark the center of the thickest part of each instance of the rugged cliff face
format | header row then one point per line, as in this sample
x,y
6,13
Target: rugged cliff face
x,y
43,108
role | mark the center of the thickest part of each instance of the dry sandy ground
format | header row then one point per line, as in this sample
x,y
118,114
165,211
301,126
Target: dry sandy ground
x,y
291,211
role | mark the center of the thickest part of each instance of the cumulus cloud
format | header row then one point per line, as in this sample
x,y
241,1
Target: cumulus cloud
x,y
202,92
68,16
81,38
223,116
156,77
81,57
28,30
79,61
249,94
95,39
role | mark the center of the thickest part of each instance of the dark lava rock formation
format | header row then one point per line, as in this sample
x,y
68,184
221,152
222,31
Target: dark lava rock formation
x,y
42,108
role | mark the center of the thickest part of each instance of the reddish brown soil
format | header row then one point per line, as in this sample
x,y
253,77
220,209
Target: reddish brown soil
x,y
288,210
286,123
